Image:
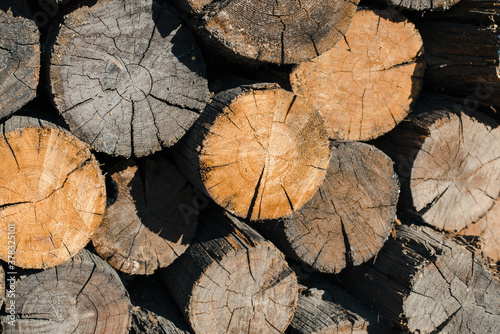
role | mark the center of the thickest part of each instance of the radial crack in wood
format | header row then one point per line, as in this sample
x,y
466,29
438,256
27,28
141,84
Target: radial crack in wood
x,y
281,32
349,218
364,86
258,151
51,191
448,159
127,76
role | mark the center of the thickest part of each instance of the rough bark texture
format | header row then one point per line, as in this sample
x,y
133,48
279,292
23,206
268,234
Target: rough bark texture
x,y
429,283
488,229
84,295
127,76
285,32
259,151
19,58
349,218
377,74
461,52
154,311
448,160
423,4
146,226
51,190
231,280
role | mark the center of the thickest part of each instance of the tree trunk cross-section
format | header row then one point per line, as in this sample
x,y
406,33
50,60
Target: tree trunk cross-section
x,y
281,32
84,295
428,283
259,151
448,159
19,61
127,76
231,280
349,218
364,86
51,190
145,228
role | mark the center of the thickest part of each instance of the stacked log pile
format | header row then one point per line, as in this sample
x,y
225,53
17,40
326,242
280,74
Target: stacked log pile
x,y
198,166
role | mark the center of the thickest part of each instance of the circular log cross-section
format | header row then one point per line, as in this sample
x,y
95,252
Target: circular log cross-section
x,y
127,76
145,228
261,153
448,159
280,32
364,86
423,4
350,217
84,295
231,280
52,193
19,62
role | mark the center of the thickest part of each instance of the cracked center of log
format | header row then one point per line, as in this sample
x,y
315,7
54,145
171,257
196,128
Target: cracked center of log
x,y
135,83
265,154
52,195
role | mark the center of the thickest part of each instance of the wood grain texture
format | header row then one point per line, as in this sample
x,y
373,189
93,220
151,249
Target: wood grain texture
x,y
231,280
488,229
349,218
51,190
19,58
145,228
428,283
364,86
448,159
127,76
84,295
258,151
284,32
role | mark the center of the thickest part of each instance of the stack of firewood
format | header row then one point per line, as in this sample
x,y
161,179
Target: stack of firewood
x,y
239,166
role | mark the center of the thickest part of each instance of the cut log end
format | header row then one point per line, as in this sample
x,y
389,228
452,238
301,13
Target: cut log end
x,y
265,154
252,291
52,196
84,295
19,62
377,74
285,32
136,89
422,5
151,222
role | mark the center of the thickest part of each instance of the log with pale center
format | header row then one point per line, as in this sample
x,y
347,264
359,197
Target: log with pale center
x,y
52,192
364,86
259,151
